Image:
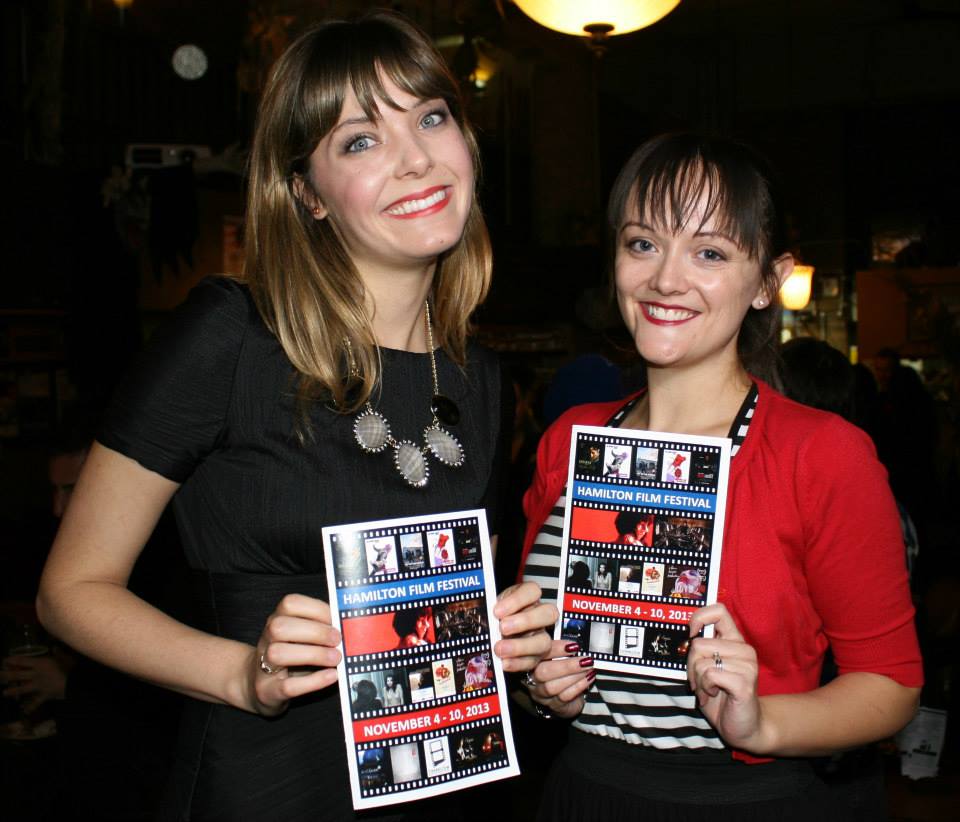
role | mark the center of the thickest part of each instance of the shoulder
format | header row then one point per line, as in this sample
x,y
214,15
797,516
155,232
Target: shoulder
x,y
173,406
482,359
790,424
220,297
819,443
483,377
210,324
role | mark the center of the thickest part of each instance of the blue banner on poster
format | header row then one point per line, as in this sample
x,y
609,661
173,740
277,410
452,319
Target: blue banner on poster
x,y
650,497
401,590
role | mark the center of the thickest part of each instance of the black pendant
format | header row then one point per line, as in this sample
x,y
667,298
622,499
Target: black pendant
x,y
445,409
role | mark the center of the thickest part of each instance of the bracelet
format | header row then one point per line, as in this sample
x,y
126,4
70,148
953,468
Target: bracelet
x,y
543,712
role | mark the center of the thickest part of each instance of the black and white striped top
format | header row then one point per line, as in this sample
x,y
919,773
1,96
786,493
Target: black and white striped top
x,y
639,710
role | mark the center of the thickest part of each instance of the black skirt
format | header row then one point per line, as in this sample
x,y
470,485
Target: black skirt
x,y
596,778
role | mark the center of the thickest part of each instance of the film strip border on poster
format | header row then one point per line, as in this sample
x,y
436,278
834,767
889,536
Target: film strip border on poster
x,y
464,689
642,509
676,645
496,760
600,458
463,553
355,664
401,654
634,575
400,576
426,704
642,540
629,553
450,679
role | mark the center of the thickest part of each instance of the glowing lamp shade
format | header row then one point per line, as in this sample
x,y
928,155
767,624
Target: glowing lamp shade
x,y
583,16
795,292
484,71
123,4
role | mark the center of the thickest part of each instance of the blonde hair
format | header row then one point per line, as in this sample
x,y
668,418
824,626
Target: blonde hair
x,y
302,279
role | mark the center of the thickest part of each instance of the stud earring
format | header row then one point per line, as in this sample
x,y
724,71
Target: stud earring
x,y
315,211
761,303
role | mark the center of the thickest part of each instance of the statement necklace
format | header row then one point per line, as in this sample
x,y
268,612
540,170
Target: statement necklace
x,y
372,431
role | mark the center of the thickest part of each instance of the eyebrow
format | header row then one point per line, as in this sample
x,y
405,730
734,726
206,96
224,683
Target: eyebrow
x,y
646,226
364,120
637,224
353,121
719,234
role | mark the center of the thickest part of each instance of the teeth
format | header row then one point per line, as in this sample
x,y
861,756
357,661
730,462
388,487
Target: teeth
x,y
410,206
668,314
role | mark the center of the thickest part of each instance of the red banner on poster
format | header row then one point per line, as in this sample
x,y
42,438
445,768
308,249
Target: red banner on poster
x,y
442,716
627,609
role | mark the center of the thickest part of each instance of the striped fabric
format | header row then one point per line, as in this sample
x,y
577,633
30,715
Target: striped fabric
x,y
638,710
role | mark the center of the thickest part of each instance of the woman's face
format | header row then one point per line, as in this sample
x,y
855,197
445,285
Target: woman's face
x,y
683,296
398,188
423,625
389,681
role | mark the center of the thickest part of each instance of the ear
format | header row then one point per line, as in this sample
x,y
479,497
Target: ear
x,y
782,268
304,192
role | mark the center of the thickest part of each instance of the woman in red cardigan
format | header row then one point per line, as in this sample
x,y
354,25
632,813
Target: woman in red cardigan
x,y
813,556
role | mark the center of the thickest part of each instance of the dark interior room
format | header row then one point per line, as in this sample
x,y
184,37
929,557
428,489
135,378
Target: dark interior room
x,y
127,129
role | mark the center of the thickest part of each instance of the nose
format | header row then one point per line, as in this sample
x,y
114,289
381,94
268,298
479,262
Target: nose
x,y
669,276
413,156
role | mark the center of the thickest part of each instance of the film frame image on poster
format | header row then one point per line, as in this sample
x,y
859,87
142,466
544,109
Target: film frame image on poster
x,y
422,694
642,541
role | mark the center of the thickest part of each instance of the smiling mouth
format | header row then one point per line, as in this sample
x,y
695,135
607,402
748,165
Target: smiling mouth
x,y
432,201
665,315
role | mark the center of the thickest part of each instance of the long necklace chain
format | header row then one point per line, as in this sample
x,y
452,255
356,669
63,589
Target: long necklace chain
x,y
372,430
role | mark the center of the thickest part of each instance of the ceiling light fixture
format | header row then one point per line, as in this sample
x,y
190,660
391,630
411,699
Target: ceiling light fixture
x,y
189,62
597,19
795,292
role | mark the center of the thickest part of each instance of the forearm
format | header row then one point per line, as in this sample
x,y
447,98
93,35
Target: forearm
x,y
851,710
106,622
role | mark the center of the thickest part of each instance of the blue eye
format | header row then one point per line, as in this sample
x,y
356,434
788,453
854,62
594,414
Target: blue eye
x,y
357,144
640,245
712,255
433,119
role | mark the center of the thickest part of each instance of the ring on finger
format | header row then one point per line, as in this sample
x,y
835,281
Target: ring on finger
x,y
528,680
717,661
265,667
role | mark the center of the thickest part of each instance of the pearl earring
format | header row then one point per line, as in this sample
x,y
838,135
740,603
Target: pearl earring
x,y
316,211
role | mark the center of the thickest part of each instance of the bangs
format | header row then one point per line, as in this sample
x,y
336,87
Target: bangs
x,y
685,179
414,76
359,56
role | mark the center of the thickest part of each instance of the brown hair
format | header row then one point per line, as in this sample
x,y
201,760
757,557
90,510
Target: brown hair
x,y
666,179
301,277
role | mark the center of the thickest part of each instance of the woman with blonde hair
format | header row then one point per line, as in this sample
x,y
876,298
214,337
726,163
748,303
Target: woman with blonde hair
x,y
333,382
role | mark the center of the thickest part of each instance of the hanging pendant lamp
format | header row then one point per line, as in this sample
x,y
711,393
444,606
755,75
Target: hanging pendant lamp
x,y
596,18
795,292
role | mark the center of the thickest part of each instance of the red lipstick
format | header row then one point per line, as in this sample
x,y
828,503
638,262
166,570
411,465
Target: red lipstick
x,y
437,197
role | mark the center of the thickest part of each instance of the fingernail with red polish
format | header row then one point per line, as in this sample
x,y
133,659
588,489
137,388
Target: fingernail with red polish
x,y
591,676
586,662
571,648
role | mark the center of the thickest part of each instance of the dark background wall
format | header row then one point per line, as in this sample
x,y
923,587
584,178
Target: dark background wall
x,y
854,100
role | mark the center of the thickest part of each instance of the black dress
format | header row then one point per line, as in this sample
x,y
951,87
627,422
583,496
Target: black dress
x,y
213,407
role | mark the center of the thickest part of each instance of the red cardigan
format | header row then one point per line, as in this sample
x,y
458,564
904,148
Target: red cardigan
x,y
813,553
